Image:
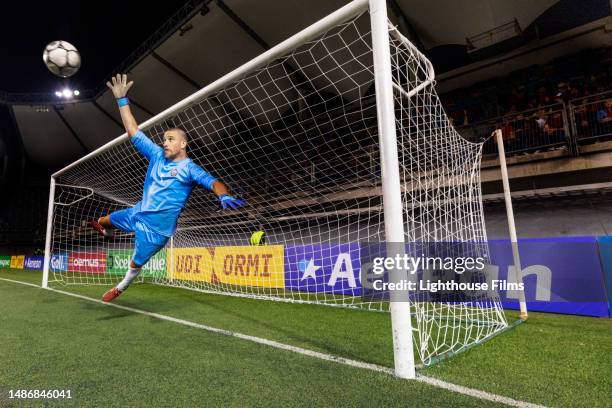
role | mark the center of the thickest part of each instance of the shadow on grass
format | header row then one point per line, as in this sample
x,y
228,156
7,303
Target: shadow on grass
x,y
111,312
112,316
295,337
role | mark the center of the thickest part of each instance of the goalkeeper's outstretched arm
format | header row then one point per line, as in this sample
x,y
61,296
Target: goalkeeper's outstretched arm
x,y
226,200
201,177
218,188
120,87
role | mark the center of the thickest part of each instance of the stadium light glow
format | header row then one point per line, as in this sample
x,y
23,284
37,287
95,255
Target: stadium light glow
x,y
67,93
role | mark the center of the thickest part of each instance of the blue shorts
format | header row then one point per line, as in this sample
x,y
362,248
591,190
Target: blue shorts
x,y
146,243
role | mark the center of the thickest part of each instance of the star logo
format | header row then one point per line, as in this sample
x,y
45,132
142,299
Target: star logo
x,y
309,268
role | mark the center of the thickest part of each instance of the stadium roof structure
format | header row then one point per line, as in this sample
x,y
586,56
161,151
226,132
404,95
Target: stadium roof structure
x,y
197,42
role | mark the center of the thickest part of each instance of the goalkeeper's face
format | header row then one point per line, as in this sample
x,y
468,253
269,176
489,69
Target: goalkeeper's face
x,y
174,145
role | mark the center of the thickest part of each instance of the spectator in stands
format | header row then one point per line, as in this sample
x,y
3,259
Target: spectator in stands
x,y
582,122
508,134
554,128
540,119
604,119
604,114
563,93
538,138
574,92
519,131
543,98
535,91
546,101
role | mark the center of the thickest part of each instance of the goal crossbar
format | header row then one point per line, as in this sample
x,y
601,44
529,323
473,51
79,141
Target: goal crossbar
x,y
350,10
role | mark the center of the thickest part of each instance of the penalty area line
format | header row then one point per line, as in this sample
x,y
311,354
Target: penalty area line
x,y
299,350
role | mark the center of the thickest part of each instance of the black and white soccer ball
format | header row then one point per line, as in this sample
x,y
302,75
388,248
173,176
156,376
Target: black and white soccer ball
x,y
62,58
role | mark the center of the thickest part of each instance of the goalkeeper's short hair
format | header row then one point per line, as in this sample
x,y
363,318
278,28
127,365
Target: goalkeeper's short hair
x,y
181,131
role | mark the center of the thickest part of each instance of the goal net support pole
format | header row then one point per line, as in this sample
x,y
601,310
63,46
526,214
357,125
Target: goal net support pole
x,y
510,216
47,260
392,198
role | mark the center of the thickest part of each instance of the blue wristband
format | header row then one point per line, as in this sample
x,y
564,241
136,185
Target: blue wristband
x,y
123,102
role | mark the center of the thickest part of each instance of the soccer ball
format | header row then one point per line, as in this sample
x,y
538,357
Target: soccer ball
x,y
62,58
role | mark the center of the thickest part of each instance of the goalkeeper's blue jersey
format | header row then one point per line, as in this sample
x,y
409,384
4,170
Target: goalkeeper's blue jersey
x,y
167,186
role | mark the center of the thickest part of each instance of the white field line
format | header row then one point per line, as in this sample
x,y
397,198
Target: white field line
x,y
322,356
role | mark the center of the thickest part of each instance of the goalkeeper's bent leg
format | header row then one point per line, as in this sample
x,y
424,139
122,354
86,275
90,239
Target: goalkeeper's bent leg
x,y
147,244
131,274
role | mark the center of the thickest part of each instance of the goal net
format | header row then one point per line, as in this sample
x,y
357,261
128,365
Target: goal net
x,y
296,134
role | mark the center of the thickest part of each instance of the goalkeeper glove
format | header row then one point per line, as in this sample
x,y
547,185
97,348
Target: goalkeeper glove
x,y
227,200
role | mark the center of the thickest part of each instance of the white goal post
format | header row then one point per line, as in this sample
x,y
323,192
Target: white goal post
x,y
338,142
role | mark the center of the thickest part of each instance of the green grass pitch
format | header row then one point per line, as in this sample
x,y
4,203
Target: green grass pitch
x,y
111,357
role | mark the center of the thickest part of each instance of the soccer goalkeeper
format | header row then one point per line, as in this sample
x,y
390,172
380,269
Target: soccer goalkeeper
x,y
170,178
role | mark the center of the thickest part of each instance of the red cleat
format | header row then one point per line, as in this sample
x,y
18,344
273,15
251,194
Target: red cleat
x,y
98,227
111,294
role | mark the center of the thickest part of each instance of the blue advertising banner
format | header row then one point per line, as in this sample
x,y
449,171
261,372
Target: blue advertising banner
x,y
59,262
605,253
34,263
326,268
561,275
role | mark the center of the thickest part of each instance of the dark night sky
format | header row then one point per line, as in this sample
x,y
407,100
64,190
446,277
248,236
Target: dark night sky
x,y
105,33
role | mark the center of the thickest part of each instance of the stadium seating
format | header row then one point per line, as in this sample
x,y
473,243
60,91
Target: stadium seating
x,y
540,107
